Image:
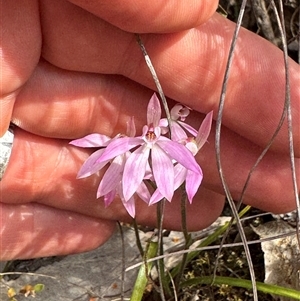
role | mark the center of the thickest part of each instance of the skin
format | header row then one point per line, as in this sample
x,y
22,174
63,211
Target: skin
x,y
70,68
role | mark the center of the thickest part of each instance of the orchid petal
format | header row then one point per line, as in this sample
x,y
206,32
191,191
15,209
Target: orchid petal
x,y
163,123
192,183
156,197
163,172
143,192
112,176
109,197
179,153
188,128
175,111
92,140
204,130
90,166
191,145
119,147
131,130
130,206
134,171
177,132
179,177
153,111
148,173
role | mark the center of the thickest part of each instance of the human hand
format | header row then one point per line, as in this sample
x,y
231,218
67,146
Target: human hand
x,y
88,75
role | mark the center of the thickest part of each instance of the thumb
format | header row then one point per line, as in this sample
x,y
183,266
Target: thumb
x,y
20,48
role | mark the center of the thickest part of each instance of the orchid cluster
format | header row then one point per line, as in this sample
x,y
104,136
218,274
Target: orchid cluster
x,y
163,155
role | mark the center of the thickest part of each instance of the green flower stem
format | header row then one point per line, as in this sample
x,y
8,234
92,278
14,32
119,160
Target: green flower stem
x,y
262,287
188,240
162,277
137,236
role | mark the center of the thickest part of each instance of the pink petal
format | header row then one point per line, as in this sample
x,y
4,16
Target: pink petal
x,y
204,130
153,111
148,173
119,147
163,172
193,181
90,166
163,124
108,198
156,197
179,177
177,132
143,192
179,111
134,171
179,153
131,130
188,128
192,146
112,176
130,206
92,140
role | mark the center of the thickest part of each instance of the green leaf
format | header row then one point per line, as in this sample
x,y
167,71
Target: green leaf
x,y
142,278
38,287
262,287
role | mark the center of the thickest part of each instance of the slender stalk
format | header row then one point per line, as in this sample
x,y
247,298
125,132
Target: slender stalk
x,y
163,283
287,104
183,214
188,240
123,262
137,236
154,76
218,148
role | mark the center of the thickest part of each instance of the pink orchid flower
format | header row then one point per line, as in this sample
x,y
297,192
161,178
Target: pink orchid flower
x,y
110,185
178,127
150,148
151,156
192,179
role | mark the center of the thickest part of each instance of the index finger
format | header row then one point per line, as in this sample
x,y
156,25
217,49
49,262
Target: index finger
x,y
190,66
151,16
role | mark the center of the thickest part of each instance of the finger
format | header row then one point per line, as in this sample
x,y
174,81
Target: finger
x,y
20,50
34,230
46,173
155,16
63,104
111,109
47,168
190,66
